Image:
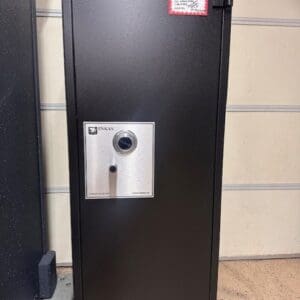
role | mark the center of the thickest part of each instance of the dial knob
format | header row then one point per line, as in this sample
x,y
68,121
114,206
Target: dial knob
x,y
125,141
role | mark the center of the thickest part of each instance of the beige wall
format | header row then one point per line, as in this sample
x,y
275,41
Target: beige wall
x,y
261,200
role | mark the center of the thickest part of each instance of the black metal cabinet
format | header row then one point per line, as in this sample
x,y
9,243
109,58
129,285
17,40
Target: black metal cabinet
x,y
128,63
22,242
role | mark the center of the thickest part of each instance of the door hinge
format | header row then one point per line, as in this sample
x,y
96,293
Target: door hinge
x,y
222,3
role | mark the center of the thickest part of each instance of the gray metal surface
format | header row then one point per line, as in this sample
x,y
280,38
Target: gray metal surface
x,y
64,289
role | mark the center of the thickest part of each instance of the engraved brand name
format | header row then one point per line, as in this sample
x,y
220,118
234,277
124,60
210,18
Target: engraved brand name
x,y
106,128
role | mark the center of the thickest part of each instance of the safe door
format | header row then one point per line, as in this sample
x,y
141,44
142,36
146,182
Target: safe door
x,y
146,94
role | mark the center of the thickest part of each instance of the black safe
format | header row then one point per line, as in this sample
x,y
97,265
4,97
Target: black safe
x,y
27,268
146,97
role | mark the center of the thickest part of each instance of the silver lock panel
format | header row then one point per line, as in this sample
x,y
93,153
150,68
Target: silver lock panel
x,y
119,160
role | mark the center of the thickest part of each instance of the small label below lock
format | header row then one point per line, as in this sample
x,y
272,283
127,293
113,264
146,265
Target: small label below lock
x,y
119,160
188,7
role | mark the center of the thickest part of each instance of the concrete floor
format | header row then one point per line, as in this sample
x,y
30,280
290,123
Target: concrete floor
x,y
259,280
238,280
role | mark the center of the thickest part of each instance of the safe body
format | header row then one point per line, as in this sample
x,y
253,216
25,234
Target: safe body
x,y
22,213
145,223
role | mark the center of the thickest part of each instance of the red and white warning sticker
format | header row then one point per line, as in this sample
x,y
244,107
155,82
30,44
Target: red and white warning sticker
x,y
188,7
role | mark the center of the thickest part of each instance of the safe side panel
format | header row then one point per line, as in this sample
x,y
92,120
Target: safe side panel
x,y
135,63
20,185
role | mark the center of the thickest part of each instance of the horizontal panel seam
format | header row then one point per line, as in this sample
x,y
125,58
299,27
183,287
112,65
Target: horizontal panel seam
x,y
259,257
282,22
226,258
51,13
53,106
226,187
230,108
64,264
57,190
263,108
261,187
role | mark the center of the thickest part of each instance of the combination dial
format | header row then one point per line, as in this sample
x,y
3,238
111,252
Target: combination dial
x,y
125,141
